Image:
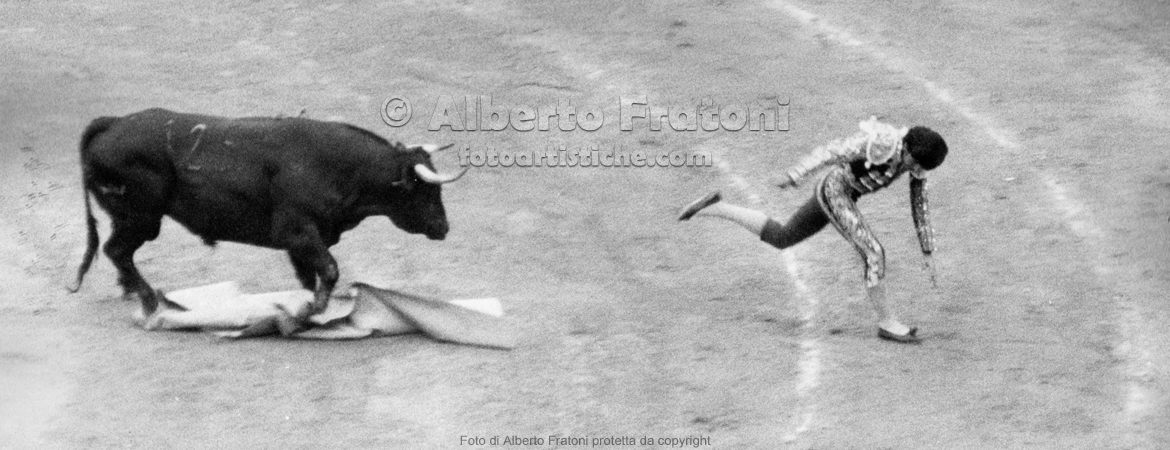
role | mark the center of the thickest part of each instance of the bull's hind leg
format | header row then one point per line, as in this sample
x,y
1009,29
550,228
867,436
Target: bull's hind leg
x,y
129,233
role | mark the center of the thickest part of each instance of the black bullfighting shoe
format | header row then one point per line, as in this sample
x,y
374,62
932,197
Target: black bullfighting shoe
x,y
908,338
689,211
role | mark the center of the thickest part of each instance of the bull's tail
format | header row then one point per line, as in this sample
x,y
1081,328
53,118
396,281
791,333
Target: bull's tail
x,y
92,240
91,245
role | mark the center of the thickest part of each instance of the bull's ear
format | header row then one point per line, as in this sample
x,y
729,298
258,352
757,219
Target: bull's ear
x,y
406,179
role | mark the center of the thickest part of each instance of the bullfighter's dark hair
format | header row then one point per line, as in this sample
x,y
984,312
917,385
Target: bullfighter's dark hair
x,y
926,146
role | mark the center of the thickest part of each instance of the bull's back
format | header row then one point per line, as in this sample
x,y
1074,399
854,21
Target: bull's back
x,y
220,177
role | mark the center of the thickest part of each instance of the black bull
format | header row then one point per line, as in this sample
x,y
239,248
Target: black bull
x,y
284,183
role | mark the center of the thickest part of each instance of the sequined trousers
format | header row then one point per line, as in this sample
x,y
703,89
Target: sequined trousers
x,y
838,199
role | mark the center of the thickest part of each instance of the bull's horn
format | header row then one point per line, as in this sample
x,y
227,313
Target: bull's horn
x,y
430,176
430,148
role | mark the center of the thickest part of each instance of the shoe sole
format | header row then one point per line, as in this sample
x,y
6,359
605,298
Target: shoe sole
x,y
908,338
694,207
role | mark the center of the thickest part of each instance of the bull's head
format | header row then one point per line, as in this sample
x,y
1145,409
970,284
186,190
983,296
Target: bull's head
x,y
421,210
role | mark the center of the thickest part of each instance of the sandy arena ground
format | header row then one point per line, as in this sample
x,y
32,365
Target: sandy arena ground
x,y
1048,329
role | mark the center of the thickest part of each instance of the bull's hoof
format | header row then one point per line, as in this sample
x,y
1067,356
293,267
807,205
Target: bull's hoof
x,y
314,308
151,301
908,338
148,298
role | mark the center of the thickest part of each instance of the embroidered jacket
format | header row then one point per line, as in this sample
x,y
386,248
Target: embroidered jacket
x,y
874,157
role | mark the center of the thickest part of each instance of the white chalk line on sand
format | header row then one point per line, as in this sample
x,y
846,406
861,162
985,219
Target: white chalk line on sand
x,y
809,365
1137,398
1135,351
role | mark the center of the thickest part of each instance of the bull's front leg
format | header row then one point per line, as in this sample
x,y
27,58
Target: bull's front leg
x,y
324,269
311,260
306,274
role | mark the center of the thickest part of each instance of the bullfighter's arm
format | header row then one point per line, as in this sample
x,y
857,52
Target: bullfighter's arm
x,y
919,209
836,151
